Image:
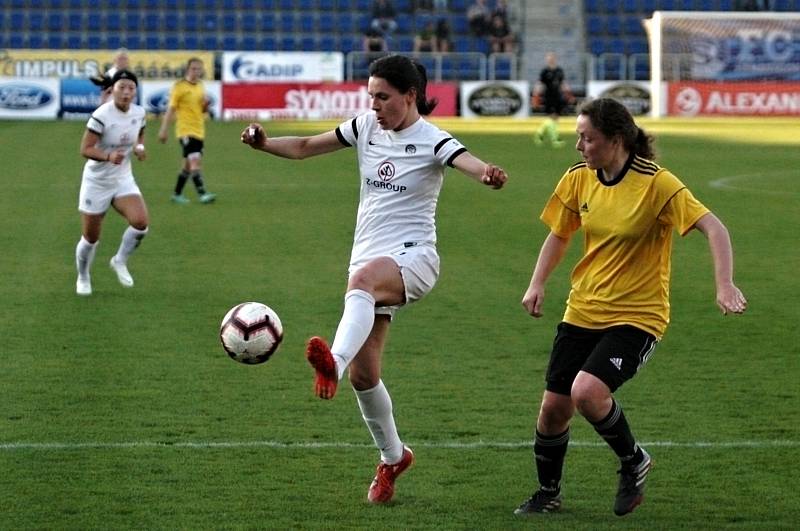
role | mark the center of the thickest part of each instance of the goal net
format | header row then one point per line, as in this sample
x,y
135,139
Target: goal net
x,y
724,63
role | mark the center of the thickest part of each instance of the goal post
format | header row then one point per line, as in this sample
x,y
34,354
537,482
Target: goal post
x,y
724,63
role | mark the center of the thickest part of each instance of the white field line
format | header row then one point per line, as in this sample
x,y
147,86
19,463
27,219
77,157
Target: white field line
x,y
446,445
752,182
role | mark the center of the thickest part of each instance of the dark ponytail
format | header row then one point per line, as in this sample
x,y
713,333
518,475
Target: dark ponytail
x,y
405,74
613,119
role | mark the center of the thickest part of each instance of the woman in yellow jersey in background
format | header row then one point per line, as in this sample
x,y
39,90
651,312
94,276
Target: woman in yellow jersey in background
x,y
188,104
618,307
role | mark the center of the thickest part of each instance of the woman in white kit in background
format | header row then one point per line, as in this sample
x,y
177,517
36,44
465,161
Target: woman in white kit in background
x,y
113,132
401,159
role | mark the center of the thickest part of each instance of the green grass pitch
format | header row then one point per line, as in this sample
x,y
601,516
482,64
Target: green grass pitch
x,y
121,410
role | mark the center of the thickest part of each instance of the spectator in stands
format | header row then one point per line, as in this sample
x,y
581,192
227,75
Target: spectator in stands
x,y
501,39
551,91
443,43
374,42
501,9
188,105
425,39
478,17
383,18
119,62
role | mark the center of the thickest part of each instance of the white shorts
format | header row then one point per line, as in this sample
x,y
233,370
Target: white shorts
x,y
96,198
419,267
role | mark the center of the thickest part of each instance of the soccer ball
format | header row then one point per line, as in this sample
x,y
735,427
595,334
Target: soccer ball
x,y
251,332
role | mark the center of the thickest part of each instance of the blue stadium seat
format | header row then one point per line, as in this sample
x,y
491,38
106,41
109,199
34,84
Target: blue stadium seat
x,y
113,22
16,40
269,44
460,6
615,45
612,6
267,23
308,43
55,41
191,22
594,26
306,22
459,24
36,22
637,45
326,5
113,41
248,43
152,41
349,43
229,43
210,43
363,22
134,5
305,5
248,23
171,21
462,44
404,43
229,22
209,22
152,22
133,42
266,6
172,5
55,22
286,5
247,5
345,23
191,42
502,68
647,7
344,6
35,41
326,23
597,45
328,43
632,25
288,44
630,6
189,6
133,22
94,42
405,23
172,42
94,22
74,42
286,23
613,25
665,5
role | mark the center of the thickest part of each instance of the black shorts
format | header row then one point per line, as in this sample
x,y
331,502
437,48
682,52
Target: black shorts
x,y
612,354
191,145
553,104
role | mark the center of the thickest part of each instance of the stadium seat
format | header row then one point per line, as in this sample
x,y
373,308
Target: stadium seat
x,y
286,22
328,43
462,44
637,45
349,43
632,25
210,43
630,6
36,22
305,6
286,5
35,41
308,43
94,42
306,22
74,42
460,6
265,5
209,22
364,6
229,22
152,41
326,23
269,44
152,22
459,24
190,22
612,6
597,45
248,23
55,22
404,43
191,42
405,23
134,5
613,25
133,42
133,22
326,5
171,21
248,43
591,6
615,45
113,41
172,42
344,6
189,6
647,7
267,23
594,26
171,5
55,41
344,21
229,43
287,44
113,22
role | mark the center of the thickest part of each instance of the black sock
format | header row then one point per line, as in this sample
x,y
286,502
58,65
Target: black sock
x,y
549,452
615,431
183,176
197,178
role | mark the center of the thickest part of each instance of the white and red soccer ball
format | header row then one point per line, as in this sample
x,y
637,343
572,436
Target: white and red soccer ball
x,y
251,332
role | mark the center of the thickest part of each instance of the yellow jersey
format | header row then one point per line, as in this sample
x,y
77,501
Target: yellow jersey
x,y
623,276
188,100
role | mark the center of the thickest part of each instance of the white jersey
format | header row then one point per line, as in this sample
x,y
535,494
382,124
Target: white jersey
x,y
117,130
401,175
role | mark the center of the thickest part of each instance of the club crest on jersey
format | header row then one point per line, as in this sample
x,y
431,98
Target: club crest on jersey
x,y
386,171
411,149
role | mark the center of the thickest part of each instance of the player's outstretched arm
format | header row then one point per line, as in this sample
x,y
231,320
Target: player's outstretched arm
x,y
729,297
290,147
488,174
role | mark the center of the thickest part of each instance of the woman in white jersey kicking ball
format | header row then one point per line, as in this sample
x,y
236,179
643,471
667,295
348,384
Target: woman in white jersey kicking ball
x,y
114,131
394,262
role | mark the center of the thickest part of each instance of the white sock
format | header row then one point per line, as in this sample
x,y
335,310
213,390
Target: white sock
x,y
354,327
131,239
376,408
84,256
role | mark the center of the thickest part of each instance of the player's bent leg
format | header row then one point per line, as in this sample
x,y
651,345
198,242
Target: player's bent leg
x,y
319,356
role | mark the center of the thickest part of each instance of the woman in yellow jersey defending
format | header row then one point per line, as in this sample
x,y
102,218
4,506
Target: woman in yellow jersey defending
x,y
618,306
188,105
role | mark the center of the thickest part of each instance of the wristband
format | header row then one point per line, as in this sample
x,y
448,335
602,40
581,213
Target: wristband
x,y
139,147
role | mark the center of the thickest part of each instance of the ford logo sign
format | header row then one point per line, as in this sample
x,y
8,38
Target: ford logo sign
x,y
23,96
495,100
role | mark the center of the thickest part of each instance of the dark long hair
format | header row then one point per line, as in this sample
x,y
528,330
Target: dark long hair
x,y
404,74
613,119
